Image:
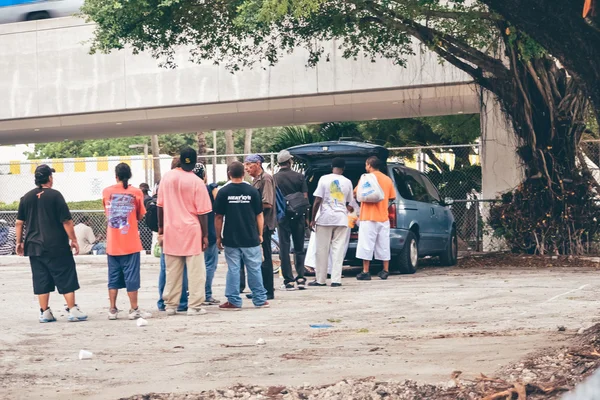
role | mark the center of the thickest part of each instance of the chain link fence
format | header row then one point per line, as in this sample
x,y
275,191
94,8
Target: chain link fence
x,y
454,170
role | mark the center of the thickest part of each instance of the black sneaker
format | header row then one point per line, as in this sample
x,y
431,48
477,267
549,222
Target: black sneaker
x,y
336,284
249,296
363,276
290,286
315,283
383,275
301,282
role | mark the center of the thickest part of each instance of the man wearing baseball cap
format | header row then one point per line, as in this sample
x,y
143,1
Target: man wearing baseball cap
x,y
49,229
183,208
291,183
266,187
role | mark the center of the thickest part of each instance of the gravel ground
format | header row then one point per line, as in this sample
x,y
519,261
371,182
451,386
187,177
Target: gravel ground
x,y
424,328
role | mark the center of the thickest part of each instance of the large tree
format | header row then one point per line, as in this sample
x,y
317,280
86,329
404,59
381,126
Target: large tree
x,y
544,105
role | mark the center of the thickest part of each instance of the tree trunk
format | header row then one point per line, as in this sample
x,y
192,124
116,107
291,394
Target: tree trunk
x,y
155,158
248,142
552,211
558,25
229,146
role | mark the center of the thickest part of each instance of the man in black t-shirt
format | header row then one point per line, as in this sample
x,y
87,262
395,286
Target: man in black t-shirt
x,y
290,182
240,206
49,228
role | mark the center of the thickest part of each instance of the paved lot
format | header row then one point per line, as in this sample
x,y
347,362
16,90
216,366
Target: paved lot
x,y
419,327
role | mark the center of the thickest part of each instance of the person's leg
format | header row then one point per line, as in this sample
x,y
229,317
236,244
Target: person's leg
x,y
116,280
44,299
43,283
211,258
131,271
323,239
64,273
70,299
161,283
183,301
382,246
242,276
338,251
252,258
233,256
197,280
267,264
174,280
367,236
284,233
299,253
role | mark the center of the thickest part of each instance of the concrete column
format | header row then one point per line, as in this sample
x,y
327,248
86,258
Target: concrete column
x,y
501,169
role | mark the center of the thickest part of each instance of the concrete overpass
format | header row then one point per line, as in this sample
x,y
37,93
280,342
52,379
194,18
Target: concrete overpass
x,y
52,89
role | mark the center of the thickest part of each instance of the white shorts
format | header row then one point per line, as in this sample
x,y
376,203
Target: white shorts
x,y
374,240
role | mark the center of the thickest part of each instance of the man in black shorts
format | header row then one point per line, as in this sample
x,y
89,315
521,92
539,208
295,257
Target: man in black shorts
x,y
49,229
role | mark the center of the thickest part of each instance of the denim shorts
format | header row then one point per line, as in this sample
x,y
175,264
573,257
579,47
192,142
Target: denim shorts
x,y
124,272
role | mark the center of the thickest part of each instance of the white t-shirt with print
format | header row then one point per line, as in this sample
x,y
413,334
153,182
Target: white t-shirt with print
x,y
336,192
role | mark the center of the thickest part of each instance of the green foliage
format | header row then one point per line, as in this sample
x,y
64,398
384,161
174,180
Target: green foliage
x,y
75,205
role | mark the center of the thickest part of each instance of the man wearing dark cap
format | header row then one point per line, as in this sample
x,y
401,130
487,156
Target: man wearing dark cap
x,y
49,229
291,183
266,187
183,208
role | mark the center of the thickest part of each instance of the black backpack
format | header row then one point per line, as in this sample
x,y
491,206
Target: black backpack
x,y
151,218
296,205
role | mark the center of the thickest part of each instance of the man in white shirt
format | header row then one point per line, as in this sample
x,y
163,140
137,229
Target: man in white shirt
x,y
332,199
87,239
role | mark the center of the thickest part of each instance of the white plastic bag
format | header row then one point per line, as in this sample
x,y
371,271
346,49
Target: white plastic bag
x,y
368,190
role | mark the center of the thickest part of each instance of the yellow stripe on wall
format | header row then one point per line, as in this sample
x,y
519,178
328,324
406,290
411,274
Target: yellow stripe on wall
x,y
102,164
33,166
79,165
58,165
15,167
126,160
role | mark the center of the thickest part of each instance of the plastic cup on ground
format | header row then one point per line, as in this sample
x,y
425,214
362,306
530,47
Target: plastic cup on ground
x,y
95,252
85,355
142,322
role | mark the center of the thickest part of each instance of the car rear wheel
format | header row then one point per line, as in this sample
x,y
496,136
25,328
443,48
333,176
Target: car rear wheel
x,y
450,256
37,15
409,256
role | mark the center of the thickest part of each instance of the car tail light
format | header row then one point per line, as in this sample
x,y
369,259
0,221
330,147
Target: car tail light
x,y
392,216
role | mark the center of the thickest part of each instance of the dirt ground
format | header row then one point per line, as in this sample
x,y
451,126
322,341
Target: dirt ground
x,y
476,319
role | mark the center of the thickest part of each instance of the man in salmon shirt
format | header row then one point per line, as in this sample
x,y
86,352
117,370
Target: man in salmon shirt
x,y
124,207
374,228
183,208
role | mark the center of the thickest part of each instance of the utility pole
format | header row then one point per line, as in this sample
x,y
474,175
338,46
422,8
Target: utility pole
x,y
155,158
215,156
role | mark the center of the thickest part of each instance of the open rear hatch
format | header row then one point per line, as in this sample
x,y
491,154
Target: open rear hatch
x,y
318,155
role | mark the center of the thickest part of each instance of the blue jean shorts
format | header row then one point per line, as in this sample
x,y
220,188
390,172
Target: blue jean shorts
x,y
124,272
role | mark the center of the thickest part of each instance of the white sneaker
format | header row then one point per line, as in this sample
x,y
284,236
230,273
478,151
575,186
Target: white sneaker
x,y
135,314
113,313
171,311
46,316
75,314
196,311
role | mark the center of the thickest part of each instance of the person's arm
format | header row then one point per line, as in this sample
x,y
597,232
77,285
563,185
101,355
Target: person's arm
x,y
316,207
204,227
268,193
19,248
68,225
260,222
91,238
304,187
219,229
141,209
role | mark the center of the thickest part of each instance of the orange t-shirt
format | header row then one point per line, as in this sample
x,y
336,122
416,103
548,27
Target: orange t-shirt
x,y
378,212
123,208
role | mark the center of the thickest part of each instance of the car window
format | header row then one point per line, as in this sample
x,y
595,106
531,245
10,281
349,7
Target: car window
x,y
403,189
431,190
417,187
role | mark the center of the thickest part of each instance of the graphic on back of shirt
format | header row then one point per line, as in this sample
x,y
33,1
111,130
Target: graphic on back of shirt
x,y
120,207
336,194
